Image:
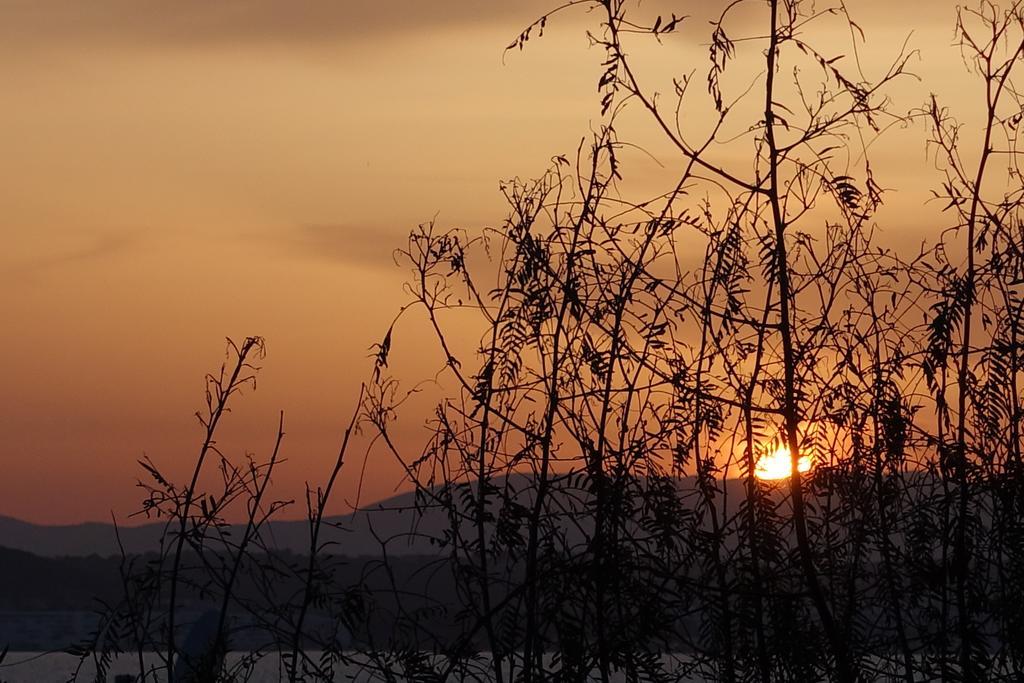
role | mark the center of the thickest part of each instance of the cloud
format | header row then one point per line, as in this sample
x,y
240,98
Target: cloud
x,y
185,22
359,246
95,248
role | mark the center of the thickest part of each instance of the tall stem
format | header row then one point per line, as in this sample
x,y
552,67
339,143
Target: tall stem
x,y
217,410
791,414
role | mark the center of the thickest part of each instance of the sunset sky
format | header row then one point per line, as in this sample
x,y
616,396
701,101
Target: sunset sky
x,y
177,172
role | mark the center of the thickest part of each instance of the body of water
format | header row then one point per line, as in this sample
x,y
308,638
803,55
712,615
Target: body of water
x,y
59,667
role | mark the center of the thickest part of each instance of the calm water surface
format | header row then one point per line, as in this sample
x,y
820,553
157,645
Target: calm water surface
x,y
35,667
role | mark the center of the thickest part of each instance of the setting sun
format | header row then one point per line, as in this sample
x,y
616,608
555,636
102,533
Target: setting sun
x,y
778,465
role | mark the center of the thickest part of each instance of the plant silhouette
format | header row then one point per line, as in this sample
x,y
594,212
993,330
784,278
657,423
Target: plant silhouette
x,y
593,460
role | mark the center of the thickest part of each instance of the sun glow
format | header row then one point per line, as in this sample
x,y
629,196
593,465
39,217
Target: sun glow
x,y
778,465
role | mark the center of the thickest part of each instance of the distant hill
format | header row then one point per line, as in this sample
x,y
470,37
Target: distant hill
x,y
352,535
30,582
357,535
51,603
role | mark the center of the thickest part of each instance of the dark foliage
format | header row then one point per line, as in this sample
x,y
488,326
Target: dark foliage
x,y
595,456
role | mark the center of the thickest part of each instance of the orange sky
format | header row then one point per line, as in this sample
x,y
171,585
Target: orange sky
x,y
177,172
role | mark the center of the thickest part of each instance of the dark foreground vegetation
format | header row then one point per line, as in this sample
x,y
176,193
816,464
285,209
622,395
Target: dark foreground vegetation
x,y
633,349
